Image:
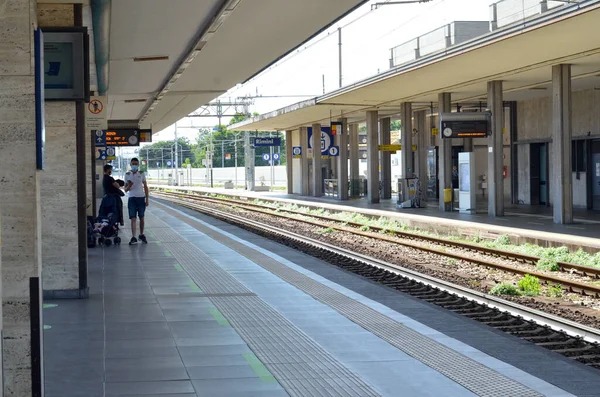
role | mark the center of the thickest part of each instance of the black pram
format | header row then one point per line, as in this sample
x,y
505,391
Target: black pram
x,y
106,226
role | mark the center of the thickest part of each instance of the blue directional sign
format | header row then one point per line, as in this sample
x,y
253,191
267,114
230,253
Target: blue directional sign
x,y
275,156
100,138
169,163
326,140
297,152
266,157
261,142
334,151
100,154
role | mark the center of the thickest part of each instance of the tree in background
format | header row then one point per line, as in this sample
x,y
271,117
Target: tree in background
x,y
225,141
159,153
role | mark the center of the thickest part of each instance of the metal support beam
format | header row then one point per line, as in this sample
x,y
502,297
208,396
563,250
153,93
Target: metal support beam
x,y
354,161
496,151
562,178
373,156
445,155
317,176
386,159
342,163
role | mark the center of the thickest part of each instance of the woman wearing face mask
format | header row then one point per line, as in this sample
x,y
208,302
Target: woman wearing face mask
x,y
135,185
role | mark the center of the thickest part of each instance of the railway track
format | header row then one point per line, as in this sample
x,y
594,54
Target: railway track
x,y
565,337
409,240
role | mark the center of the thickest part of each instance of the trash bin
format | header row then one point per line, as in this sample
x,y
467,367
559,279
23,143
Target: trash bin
x,y
447,195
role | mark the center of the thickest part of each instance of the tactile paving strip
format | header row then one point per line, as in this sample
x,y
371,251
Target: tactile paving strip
x,y
300,365
166,235
472,375
209,276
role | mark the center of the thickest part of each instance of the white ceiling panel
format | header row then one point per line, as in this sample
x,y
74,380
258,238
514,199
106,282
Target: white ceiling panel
x,y
168,110
257,33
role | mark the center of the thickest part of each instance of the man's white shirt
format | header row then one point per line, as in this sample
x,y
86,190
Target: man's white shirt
x,y
138,179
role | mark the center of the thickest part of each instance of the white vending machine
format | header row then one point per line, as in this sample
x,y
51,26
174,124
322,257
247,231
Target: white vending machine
x,y
467,185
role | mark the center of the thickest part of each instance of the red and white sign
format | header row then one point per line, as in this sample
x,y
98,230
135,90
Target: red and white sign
x,y
95,115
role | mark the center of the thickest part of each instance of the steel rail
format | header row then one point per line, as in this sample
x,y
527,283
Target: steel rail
x,y
564,266
545,319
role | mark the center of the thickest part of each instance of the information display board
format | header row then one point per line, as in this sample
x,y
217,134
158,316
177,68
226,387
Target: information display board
x,y
465,125
123,137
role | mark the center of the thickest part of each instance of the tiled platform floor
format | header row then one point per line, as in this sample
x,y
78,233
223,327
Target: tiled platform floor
x,y
149,330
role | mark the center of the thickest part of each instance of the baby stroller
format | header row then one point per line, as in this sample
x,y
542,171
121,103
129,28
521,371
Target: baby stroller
x,y
106,226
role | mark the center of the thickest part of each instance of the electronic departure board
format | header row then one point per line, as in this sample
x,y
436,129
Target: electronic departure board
x,y
123,137
465,124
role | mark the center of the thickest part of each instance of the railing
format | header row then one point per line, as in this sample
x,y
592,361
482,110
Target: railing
x,y
437,40
506,12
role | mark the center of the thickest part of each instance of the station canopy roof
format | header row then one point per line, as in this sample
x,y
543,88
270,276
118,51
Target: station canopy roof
x,y
168,58
520,55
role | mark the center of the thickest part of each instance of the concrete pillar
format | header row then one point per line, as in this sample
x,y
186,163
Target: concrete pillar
x,y
354,161
19,204
317,176
407,131
289,160
445,154
468,145
373,156
386,159
495,151
342,162
304,160
422,143
561,184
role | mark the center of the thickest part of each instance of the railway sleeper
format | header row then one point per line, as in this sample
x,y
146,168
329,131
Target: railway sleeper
x,y
538,331
515,325
476,315
550,345
552,337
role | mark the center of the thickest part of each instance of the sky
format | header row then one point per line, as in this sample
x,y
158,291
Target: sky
x,y
367,37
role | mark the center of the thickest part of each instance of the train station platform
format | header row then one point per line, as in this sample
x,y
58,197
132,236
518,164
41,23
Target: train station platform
x,y
533,224
208,309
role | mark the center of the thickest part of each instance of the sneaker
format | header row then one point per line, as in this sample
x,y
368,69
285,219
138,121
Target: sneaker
x,y
143,239
133,241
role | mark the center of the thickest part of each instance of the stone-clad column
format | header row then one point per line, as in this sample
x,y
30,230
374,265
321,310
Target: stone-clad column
x,y
19,196
59,182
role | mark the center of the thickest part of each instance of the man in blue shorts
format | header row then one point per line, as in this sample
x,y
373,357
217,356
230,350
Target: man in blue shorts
x,y
135,185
